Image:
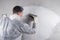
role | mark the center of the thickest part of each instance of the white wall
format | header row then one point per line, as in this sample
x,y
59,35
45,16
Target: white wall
x,y
56,33
6,6
46,22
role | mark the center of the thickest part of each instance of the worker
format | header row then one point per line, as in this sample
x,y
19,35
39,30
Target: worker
x,y
15,31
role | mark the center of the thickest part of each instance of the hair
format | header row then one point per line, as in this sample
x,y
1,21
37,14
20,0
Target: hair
x,y
17,9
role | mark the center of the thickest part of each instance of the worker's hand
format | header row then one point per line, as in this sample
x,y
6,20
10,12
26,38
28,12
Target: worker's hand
x,y
35,19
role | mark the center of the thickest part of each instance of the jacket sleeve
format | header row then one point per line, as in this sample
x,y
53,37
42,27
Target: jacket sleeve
x,y
25,28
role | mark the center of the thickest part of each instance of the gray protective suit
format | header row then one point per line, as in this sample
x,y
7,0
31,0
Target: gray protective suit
x,y
16,28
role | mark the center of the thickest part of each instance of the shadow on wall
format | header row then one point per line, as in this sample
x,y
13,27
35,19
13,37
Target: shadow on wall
x,y
46,21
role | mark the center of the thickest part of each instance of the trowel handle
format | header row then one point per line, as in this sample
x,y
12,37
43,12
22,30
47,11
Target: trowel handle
x,y
34,24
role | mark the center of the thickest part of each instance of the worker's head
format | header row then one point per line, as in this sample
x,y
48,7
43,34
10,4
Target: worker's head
x,y
18,10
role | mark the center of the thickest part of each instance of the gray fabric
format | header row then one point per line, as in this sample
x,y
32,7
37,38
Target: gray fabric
x,y
29,20
14,28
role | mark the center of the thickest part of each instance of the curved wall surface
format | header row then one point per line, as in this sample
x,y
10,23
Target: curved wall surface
x,y
46,22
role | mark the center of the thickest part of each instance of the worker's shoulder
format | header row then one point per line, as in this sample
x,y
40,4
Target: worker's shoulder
x,y
19,22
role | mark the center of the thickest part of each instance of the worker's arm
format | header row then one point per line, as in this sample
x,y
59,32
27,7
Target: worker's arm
x,y
27,29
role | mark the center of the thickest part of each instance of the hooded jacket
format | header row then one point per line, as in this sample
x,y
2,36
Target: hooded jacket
x,y
15,31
